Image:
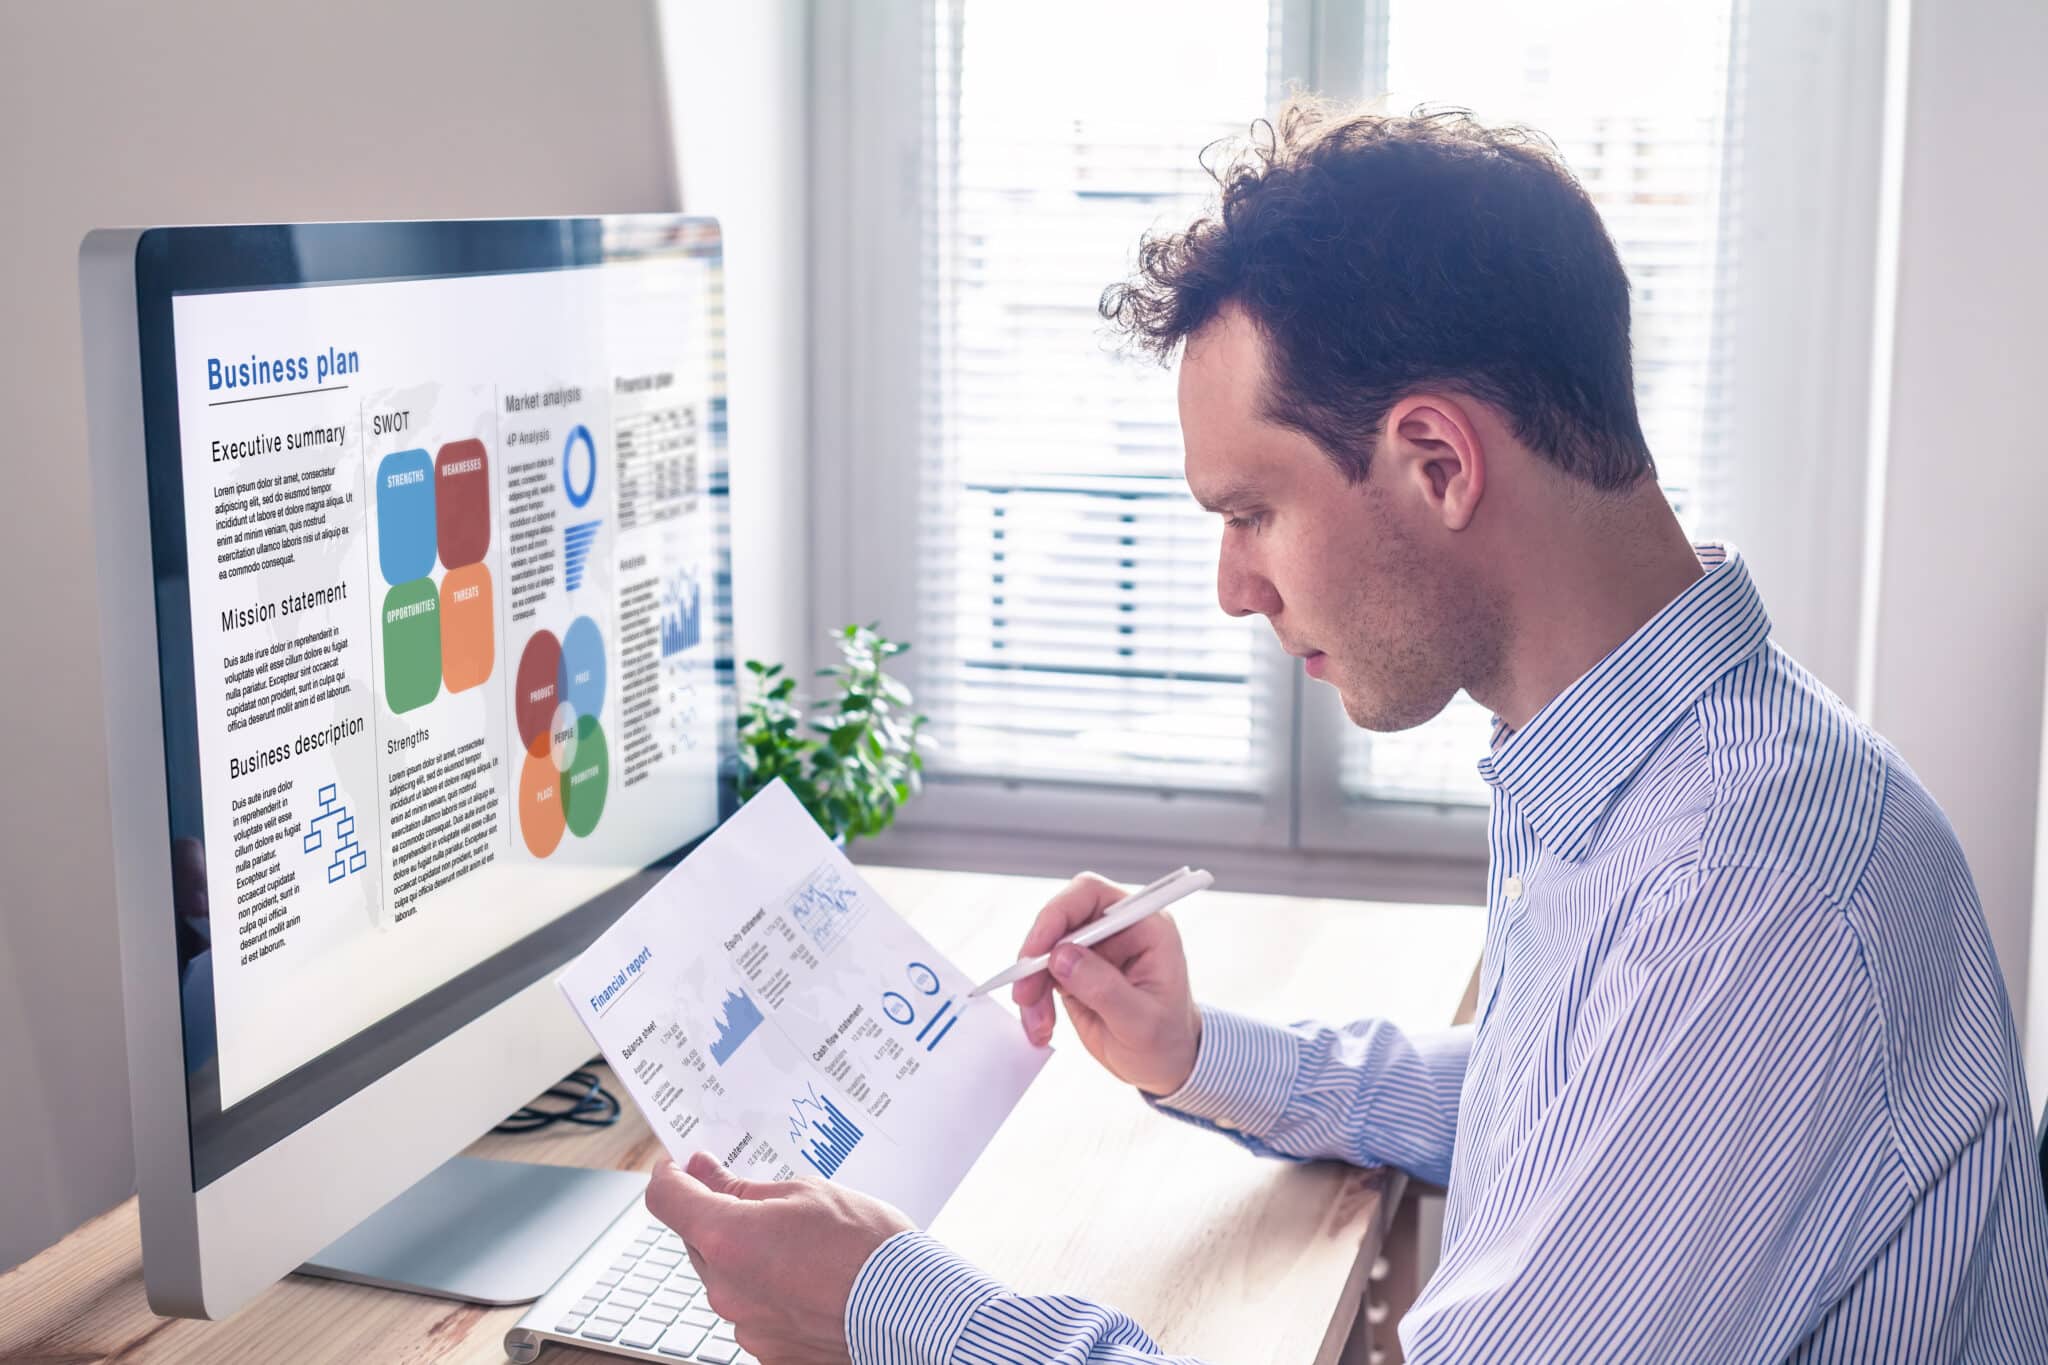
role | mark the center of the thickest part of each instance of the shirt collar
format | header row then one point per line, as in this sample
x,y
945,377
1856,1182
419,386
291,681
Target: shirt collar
x,y
1567,765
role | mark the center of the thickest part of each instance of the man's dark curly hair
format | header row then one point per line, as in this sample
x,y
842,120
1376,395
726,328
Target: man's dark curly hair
x,y
1382,256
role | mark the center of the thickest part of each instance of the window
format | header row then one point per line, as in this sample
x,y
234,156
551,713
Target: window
x,y
1646,140
984,168
1068,626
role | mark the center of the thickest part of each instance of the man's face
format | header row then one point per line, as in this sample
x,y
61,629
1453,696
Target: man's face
x,y
1358,580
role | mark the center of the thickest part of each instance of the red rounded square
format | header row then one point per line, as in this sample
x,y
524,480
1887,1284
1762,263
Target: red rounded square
x,y
462,502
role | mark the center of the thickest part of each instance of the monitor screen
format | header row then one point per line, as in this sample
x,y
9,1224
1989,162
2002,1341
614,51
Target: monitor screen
x,y
441,564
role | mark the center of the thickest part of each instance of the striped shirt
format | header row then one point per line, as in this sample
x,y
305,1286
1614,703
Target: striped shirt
x,y
1744,1084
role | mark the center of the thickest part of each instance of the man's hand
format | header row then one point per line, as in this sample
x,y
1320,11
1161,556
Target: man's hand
x,y
778,1259
1128,995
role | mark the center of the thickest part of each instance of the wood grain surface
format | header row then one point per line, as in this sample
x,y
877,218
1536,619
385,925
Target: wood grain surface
x,y
1085,1190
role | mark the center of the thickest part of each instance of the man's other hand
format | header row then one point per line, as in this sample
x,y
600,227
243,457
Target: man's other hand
x,y
1128,995
778,1259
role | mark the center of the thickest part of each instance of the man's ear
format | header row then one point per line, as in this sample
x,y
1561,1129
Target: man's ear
x,y
1436,453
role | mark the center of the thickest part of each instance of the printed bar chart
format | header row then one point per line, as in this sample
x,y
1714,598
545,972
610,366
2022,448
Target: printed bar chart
x,y
831,1135
933,1022
577,542
681,619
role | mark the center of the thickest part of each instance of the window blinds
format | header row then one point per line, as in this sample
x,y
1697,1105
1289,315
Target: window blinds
x,y
1068,618
1647,140
1068,627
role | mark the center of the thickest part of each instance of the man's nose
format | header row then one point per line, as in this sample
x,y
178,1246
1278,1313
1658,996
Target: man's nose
x,y
1241,591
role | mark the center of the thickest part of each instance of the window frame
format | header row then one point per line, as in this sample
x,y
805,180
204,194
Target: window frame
x,y
871,73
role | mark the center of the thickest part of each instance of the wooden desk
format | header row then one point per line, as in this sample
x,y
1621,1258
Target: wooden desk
x,y
1215,1252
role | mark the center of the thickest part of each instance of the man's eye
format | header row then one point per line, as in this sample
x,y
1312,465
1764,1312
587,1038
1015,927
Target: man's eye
x,y
1236,522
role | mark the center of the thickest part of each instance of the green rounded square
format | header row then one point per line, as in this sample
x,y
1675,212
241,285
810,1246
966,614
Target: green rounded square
x,y
412,645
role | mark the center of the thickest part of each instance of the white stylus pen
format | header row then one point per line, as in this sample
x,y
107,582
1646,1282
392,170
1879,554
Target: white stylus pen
x,y
1149,900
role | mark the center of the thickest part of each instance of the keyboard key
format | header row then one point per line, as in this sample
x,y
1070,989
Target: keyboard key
x,y
587,1305
670,1299
601,1331
642,1333
680,1340
624,1265
699,1317
662,1258
627,1297
682,1279
745,1358
606,1281
647,1236
616,1314
723,1331
659,1314
640,1284
669,1241
719,1352
569,1326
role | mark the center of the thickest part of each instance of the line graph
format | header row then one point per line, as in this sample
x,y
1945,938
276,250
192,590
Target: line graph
x,y
824,907
831,1135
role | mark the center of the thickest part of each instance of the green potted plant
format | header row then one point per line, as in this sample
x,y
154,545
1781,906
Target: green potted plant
x,y
853,760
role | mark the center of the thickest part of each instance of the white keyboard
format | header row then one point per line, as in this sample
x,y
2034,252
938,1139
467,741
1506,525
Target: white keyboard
x,y
633,1294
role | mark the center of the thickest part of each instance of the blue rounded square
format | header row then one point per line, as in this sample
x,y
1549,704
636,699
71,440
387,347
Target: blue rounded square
x,y
405,516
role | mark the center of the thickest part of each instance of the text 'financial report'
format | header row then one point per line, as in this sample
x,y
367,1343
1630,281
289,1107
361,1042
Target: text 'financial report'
x,y
764,1005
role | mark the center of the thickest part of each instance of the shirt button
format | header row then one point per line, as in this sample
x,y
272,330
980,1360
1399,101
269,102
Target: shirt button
x,y
1513,887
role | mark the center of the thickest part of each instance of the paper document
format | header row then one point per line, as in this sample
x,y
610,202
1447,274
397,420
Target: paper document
x,y
764,1005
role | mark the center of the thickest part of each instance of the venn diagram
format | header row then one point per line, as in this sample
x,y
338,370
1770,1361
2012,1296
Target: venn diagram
x,y
567,767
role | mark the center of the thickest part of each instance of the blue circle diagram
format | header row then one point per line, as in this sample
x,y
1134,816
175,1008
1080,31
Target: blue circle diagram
x,y
579,435
582,680
897,1008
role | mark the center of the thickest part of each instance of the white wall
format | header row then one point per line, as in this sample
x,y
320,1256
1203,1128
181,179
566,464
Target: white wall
x,y
1954,668
1801,211
235,110
737,83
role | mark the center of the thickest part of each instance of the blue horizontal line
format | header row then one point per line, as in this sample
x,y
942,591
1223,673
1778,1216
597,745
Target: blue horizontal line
x,y
933,1020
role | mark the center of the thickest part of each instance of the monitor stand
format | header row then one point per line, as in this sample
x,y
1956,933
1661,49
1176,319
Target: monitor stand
x,y
492,1232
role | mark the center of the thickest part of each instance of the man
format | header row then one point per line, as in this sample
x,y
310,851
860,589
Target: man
x,y
1744,1084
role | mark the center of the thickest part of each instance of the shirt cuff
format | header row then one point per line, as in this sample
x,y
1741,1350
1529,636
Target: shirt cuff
x,y
911,1301
1244,1072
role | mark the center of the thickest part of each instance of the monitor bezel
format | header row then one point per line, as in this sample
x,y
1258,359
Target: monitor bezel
x,y
185,260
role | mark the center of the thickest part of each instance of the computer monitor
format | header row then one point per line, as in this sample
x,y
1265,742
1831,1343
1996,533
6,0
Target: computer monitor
x,y
414,572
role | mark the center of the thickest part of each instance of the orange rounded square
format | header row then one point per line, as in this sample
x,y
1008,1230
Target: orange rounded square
x,y
466,629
